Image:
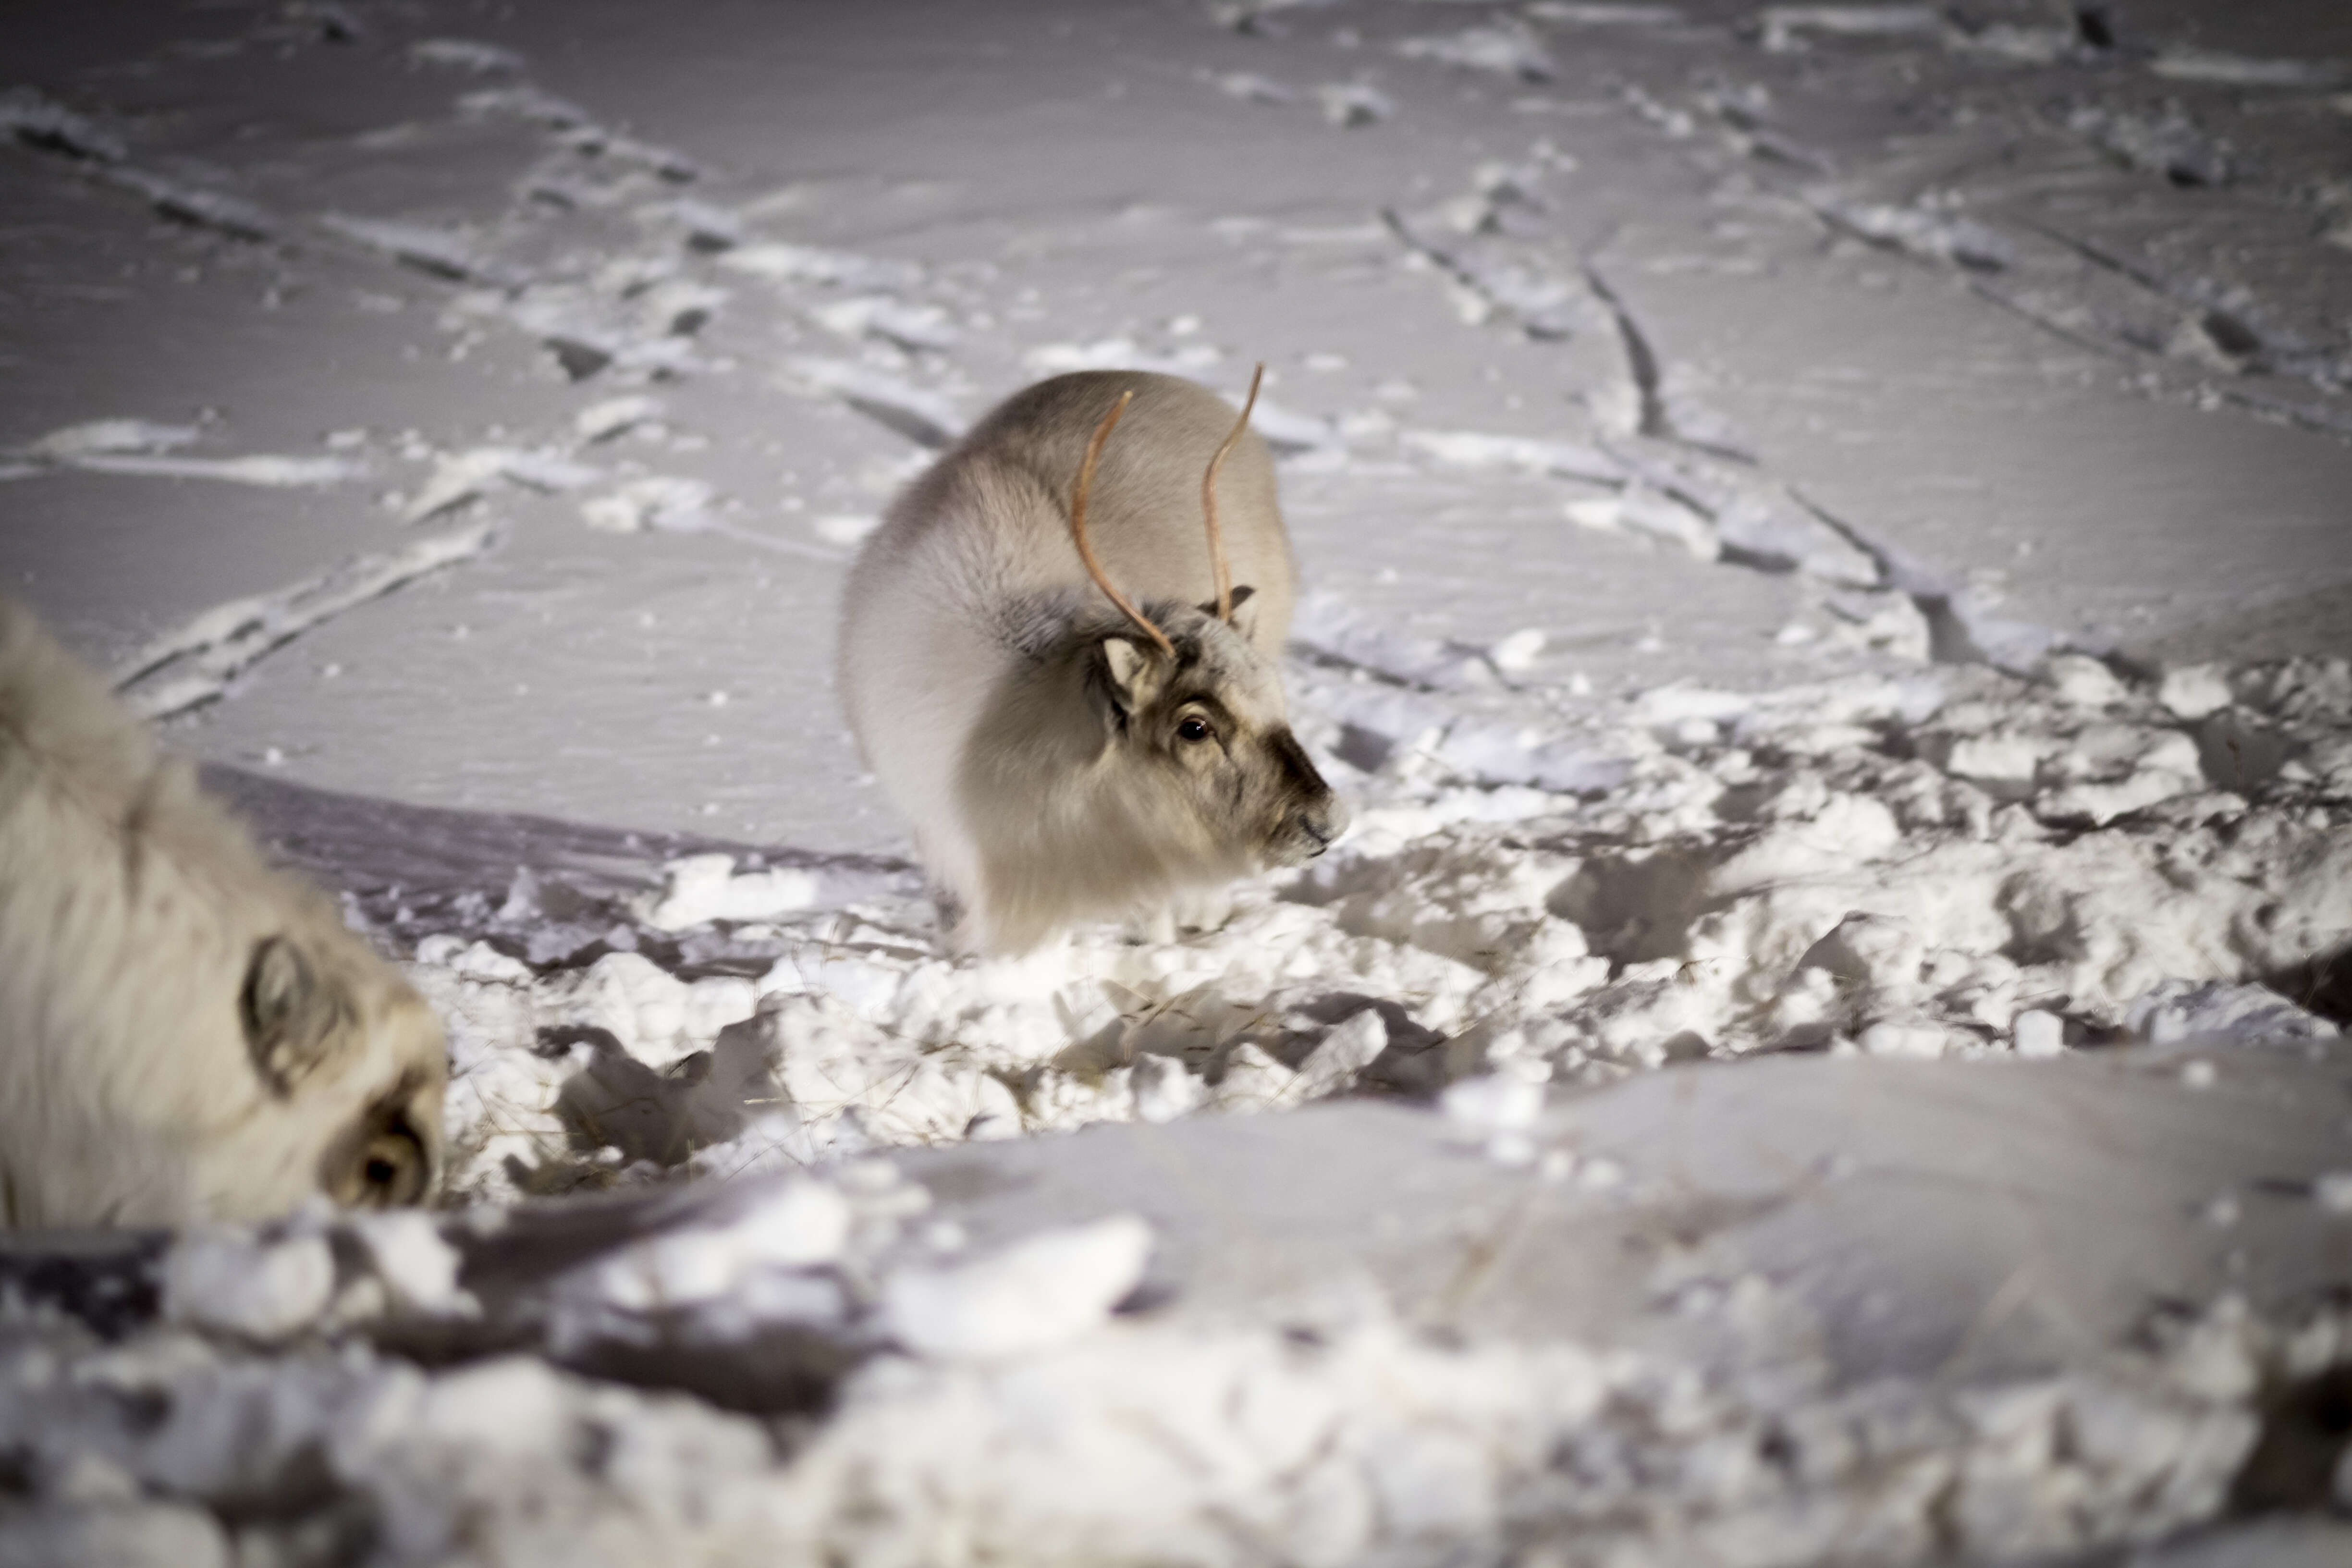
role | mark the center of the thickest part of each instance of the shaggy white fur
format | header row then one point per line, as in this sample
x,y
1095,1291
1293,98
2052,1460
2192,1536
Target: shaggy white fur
x,y
185,1033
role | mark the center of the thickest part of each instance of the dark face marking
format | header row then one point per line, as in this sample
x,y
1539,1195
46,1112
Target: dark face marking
x,y
1312,816
1249,781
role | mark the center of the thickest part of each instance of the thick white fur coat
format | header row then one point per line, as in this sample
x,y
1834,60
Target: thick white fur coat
x,y
965,632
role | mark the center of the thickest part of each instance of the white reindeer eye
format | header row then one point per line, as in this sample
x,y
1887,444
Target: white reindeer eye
x,y
1195,729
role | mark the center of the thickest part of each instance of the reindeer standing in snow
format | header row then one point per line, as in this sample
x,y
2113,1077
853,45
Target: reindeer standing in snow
x,y
1064,751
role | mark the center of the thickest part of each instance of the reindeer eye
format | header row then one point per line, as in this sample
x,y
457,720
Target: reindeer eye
x,y
1195,729
391,1170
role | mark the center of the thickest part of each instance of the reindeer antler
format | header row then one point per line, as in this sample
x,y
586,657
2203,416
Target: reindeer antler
x,y
1078,525
1208,501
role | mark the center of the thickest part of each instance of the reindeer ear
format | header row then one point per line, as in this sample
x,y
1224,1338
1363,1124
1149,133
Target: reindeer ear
x,y
290,1015
1241,597
1244,621
1129,672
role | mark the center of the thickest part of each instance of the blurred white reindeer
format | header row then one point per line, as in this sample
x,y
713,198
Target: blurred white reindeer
x,y
185,1033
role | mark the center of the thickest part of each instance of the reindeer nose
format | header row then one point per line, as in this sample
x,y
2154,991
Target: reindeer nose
x,y
1315,816
1324,822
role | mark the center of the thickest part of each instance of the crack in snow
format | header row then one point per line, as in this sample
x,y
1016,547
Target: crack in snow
x,y
194,663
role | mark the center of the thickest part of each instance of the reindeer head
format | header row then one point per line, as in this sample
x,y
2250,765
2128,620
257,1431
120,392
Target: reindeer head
x,y
1195,712
323,1020
1204,742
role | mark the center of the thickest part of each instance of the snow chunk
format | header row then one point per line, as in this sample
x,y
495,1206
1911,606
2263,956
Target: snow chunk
x,y
465,54
1509,47
1164,1088
2169,145
658,501
268,471
142,447
1572,13
1037,1293
231,1281
533,106
2193,691
2239,70
1251,88
657,1019
1328,623
1518,651
1906,1037
795,1224
809,263
1499,1103
2037,1033
1785,25
194,203
924,418
112,437
460,476
2085,681
2183,1009
704,887
1351,103
1289,432
1922,231
38,120
603,421
443,253
884,317
514,1407
1671,706
1342,1053
416,1263
845,528
1642,511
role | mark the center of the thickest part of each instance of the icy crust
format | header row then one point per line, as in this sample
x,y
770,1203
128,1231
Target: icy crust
x,y
1131,1442
1953,863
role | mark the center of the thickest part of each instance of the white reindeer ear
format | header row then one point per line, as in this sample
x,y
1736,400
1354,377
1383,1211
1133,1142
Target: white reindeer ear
x,y
1128,670
291,1016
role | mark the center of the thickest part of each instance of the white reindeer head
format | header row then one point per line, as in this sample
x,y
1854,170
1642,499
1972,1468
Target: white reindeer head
x,y
317,1006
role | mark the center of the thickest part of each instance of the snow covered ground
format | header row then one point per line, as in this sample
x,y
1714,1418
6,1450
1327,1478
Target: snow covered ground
x,y
1824,541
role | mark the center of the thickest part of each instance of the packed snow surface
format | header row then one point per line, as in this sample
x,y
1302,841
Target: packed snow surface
x,y
1821,531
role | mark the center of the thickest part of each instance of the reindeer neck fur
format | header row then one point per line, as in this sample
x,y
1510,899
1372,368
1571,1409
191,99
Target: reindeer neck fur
x,y
1055,797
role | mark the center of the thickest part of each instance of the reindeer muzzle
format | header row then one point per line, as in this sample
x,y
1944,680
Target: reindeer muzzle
x,y
1316,816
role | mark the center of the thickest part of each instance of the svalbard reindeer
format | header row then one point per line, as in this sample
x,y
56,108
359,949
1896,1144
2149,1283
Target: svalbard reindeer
x,y
185,1033
1065,751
